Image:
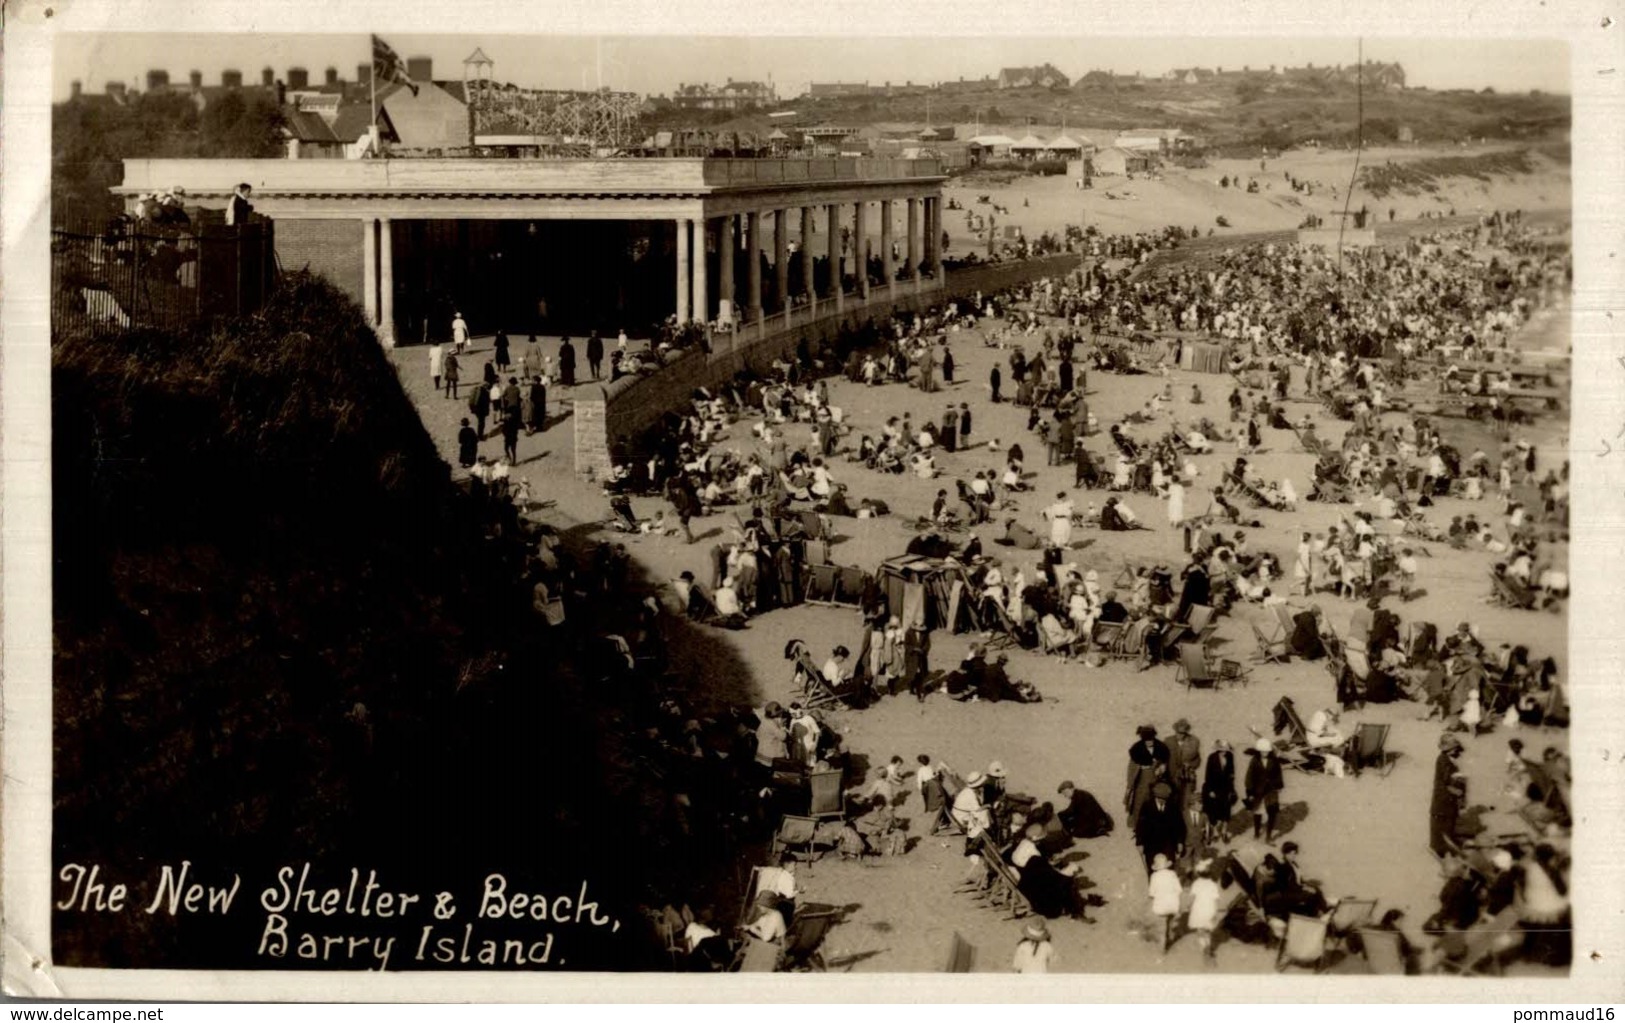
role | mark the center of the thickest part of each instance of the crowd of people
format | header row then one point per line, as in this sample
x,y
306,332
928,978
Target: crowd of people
x,y
1296,326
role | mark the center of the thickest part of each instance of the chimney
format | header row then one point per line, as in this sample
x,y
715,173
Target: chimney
x,y
298,78
363,73
157,80
115,90
196,78
332,76
267,77
77,88
231,78
420,69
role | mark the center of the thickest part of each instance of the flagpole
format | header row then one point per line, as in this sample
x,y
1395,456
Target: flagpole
x,y
372,90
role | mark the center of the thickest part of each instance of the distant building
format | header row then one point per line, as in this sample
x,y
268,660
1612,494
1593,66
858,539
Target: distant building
x,y
968,85
1045,76
1155,140
730,96
1121,161
839,90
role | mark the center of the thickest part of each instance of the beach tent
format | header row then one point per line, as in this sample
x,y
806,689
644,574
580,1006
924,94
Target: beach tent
x,y
923,592
1063,148
1028,148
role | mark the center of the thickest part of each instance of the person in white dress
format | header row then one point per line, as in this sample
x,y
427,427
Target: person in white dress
x,y
1060,520
1176,503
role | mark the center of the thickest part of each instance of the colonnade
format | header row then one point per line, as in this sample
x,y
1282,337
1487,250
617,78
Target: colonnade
x,y
729,237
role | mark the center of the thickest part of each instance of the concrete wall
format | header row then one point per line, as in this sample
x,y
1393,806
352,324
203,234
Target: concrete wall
x,y
632,406
331,248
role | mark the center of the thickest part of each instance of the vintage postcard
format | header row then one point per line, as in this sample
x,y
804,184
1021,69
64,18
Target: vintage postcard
x,y
495,499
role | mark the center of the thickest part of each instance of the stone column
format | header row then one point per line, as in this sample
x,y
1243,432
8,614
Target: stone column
x,y
682,271
914,239
753,252
860,249
727,249
386,283
836,288
702,294
933,236
369,270
887,268
781,259
808,284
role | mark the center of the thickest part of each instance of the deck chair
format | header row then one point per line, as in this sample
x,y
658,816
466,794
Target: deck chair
x,y
1505,591
1107,638
961,955
796,837
1004,891
821,584
804,938
827,798
1371,747
1193,668
1002,626
1283,618
1384,955
1349,916
1049,646
813,523
1198,623
1304,944
1271,650
819,693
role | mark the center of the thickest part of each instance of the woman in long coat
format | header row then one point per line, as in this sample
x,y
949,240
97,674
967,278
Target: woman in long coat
x,y
1147,764
1219,791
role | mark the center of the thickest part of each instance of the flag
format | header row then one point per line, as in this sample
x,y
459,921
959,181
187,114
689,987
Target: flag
x,y
387,66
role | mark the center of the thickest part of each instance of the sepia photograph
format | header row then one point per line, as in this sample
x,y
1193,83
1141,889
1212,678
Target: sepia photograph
x,y
842,504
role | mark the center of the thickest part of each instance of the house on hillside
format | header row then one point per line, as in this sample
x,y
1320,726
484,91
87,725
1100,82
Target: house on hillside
x,y
1045,76
730,96
1190,76
1096,80
839,90
969,85
435,117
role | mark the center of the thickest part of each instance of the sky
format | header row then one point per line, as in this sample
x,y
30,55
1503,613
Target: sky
x,y
652,64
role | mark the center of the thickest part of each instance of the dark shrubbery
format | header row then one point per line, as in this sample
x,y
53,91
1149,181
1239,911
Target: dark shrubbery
x,y
283,635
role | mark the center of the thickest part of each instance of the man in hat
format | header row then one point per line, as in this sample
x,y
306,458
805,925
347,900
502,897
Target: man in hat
x,y
1185,760
1147,764
1264,785
1159,828
1449,790
1034,953
1083,816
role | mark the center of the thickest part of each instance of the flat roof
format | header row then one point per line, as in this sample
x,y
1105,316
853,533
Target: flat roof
x,y
496,176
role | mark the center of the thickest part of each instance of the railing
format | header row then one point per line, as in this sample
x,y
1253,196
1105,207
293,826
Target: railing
x,y
792,170
121,273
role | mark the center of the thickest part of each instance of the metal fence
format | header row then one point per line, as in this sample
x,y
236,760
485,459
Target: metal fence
x,y
122,273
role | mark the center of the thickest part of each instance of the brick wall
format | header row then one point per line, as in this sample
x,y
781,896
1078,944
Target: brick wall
x,y
331,248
